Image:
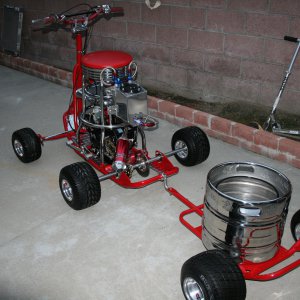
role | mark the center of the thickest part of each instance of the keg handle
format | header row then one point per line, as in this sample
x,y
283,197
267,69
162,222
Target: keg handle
x,y
245,168
250,211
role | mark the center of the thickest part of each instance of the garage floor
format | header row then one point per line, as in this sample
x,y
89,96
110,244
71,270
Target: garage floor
x,y
128,246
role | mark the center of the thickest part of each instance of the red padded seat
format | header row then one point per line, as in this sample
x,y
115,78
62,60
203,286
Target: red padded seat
x,y
103,59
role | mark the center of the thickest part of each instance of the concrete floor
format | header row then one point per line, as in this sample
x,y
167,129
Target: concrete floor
x,y
128,246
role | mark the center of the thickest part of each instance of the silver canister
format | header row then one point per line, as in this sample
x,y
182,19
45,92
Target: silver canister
x,y
245,209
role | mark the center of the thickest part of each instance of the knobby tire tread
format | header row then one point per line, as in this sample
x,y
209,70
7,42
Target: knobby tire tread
x,y
30,142
225,279
86,184
197,142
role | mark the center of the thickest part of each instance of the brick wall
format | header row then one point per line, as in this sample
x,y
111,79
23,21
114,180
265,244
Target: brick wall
x,y
258,141
217,50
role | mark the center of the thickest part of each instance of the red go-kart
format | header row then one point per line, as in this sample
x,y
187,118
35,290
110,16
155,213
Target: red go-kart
x,y
106,118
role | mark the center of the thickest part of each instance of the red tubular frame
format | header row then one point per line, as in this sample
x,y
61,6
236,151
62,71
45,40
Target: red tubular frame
x,y
253,271
193,209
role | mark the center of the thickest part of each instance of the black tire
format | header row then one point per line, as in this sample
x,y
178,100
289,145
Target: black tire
x,y
79,185
212,275
197,144
26,145
295,226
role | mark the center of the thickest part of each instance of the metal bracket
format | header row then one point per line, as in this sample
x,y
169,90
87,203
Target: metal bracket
x,y
165,180
106,9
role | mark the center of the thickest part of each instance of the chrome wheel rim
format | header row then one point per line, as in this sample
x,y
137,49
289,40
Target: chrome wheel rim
x,y
18,148
297,232
67,190
192,290
179,145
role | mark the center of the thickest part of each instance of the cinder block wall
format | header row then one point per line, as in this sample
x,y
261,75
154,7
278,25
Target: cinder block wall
x,y
217,50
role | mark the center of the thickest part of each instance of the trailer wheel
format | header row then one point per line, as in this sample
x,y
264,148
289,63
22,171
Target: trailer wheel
x,y
79,185
212,275
196,143
26,145
295,226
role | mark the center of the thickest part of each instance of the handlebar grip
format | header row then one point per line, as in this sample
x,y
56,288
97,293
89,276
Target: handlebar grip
x,y
117,10
290,39
36,21
45,21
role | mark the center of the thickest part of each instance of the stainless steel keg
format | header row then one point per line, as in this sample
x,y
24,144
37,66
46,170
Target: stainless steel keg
x,y
245,209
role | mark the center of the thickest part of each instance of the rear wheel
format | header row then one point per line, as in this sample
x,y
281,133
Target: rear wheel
x,y
295,226
26,144
212,275
195,143
79,185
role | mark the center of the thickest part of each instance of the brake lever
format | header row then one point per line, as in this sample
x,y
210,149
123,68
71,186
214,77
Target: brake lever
x,y
86,22
61,18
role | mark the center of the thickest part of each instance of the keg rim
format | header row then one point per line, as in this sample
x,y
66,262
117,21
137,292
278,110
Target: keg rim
x,y
214,188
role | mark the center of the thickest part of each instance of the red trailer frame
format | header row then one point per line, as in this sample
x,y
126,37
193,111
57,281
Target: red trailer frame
x,y
250,270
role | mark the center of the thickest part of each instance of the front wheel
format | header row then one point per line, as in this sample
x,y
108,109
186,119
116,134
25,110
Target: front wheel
x,y
212,275
194,143
79,185
26,145
295,226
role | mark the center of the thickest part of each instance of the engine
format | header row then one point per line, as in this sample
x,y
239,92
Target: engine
x,y
111,138
110,101
105,124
